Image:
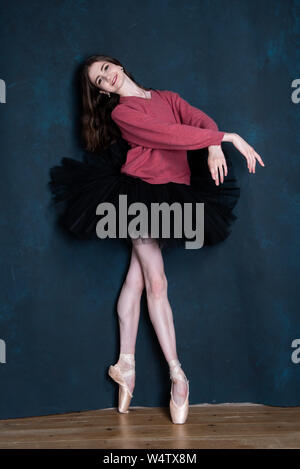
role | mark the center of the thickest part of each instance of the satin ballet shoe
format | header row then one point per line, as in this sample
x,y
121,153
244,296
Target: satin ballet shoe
x,y
118,376
178,413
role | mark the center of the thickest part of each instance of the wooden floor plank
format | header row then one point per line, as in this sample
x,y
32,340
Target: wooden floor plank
x,y
135,418
208,426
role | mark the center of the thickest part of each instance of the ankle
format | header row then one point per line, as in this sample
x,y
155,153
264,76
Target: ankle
x,y
174,365
175,370
128,357
127,360
174,362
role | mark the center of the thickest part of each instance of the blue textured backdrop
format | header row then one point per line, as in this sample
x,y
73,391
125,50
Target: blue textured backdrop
x,y
236,305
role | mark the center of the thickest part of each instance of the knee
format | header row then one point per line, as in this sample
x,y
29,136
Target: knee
x,y
157,285
135,284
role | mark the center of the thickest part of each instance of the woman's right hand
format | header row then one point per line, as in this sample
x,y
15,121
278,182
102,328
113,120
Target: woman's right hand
x,y
249,153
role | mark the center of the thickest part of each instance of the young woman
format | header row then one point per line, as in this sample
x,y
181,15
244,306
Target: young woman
x,y
136,142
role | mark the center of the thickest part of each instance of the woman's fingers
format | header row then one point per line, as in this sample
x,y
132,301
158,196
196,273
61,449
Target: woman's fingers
x,y
251,157
258,157
223,170
215,175
225,166
252,161
249,153
219,167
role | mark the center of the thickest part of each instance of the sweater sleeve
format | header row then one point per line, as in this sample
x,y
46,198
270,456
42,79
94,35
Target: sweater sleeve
x,y
191,115
141,129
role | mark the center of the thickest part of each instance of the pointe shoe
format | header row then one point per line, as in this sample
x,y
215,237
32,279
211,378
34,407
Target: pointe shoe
x,y
178,413
117,375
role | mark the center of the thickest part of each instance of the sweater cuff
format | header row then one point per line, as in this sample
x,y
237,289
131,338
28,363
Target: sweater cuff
x,y
220,137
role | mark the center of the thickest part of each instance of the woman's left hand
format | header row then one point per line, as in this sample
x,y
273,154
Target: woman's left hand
x,y
217,163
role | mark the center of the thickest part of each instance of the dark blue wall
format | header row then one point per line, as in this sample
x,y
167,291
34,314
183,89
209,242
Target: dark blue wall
x,y
236,305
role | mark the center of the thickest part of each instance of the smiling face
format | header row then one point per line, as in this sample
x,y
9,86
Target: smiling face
x,y
106,76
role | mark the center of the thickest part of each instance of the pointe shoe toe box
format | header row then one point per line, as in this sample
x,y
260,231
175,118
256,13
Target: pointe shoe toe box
x,y
179,413
125,395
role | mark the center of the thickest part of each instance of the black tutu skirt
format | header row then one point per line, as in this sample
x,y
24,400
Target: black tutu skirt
x,y
78,187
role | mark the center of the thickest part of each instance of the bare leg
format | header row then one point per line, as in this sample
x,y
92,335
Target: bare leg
x,y
151,260
128,308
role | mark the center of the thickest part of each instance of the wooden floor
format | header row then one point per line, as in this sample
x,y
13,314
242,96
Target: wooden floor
x,y
207,426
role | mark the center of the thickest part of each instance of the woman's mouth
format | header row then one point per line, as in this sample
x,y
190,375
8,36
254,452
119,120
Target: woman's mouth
x,y
114,80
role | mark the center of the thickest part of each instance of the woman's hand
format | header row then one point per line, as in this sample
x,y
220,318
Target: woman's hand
x,y
249,153
216,163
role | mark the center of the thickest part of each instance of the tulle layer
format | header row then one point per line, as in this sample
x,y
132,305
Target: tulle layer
x,y
78,187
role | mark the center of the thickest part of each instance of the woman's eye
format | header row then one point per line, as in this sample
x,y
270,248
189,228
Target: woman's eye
x,y
99,81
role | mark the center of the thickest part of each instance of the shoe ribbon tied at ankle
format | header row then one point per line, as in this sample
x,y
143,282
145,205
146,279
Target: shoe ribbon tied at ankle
x,y
176,371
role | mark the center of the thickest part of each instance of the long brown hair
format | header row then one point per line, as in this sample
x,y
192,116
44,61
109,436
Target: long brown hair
x,y
99,131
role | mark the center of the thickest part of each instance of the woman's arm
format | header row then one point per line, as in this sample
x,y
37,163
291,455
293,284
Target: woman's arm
x,y
216,160
193,116
141,129
189,114
247,150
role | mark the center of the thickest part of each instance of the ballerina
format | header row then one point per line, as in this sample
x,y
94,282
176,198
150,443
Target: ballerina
x,y
136,142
